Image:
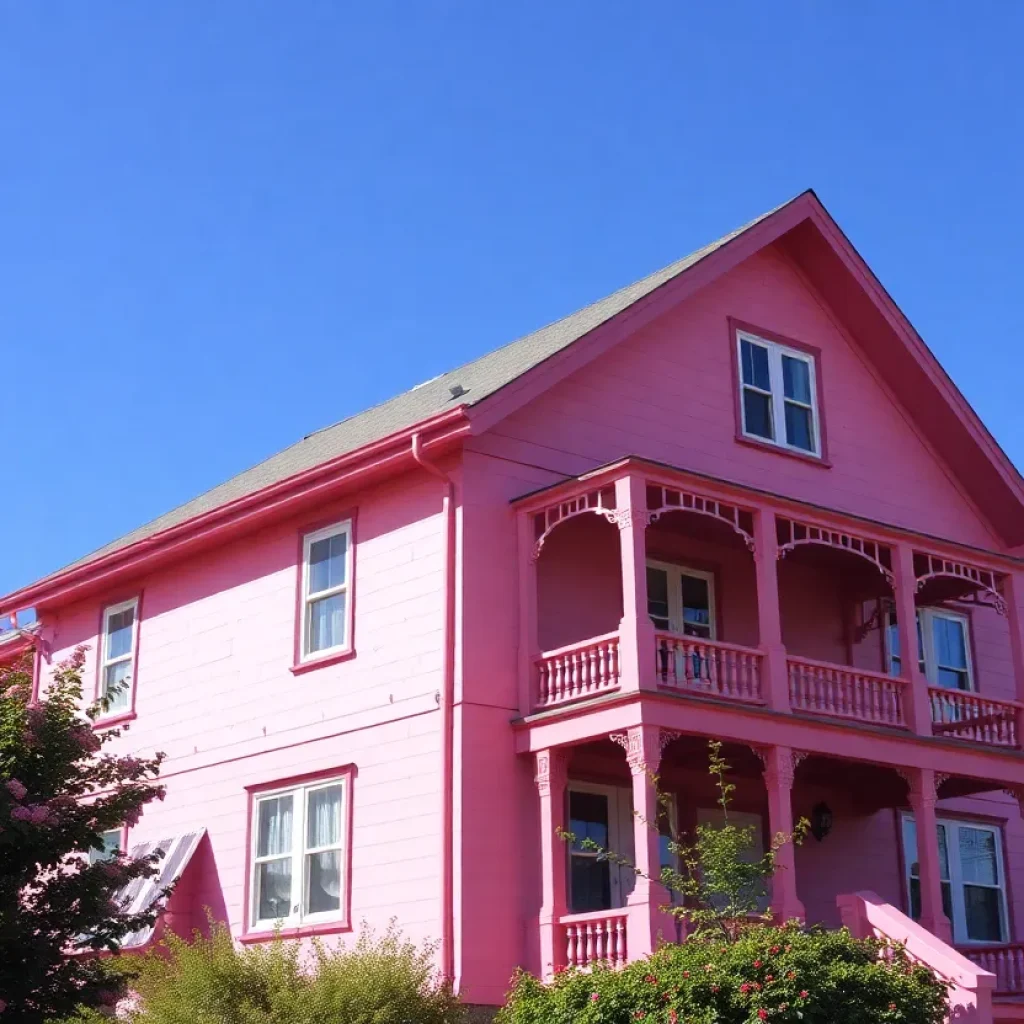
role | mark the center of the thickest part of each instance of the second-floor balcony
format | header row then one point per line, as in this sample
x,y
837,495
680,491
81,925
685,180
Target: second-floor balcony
x,y
641,578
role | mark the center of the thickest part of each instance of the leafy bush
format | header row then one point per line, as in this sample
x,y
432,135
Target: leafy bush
x,y
378,980
779,975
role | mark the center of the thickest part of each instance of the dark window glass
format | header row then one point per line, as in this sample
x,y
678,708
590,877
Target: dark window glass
x,y
757,414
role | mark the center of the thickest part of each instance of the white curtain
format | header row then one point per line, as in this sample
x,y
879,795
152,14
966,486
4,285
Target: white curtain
x,y
327,622
275,826
323,828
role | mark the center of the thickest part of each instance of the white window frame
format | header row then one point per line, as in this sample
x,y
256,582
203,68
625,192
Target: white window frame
x,y
620,839
925,618
300,802
956,881
675,595
308,540
95,855
105,661
777,393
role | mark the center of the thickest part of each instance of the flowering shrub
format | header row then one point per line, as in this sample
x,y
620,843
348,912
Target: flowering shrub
x,y
780,975
378,980
58,794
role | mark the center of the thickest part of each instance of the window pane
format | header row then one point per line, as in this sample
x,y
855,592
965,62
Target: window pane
x,y
943,853
796,379
657,597
755,366
327,563
327,623
952,679
323,817
799,427
590,884
950,643
696,606
111,844
118,674
588,818
274,830
982,906
274,889
119,633
757,414
323,886
910,849
978,855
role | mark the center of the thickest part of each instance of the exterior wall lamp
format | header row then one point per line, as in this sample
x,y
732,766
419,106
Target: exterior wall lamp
x,y
821,821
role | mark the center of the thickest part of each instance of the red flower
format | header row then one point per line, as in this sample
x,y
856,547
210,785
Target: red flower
x,y
714,988
762,1013
673,1017
892,1006
651,979
745,988
594,997
774,949
757,963
709,967
769,977
686,974
639,1015
561,969
804,994
791,975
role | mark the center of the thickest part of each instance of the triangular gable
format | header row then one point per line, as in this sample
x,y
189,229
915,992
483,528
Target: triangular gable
x,y
806,231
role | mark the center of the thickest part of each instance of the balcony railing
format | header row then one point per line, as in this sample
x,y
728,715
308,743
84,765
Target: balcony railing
x,y
1005,962
583,669
836,691
968,716
708,667
597,937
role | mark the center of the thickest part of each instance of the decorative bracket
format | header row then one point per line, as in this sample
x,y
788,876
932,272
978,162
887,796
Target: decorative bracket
x,y
983,580
672,499
800,533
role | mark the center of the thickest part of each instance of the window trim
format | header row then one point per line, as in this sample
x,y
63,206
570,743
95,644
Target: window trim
x,y
677,570
620,838
126,713
926,613
325,922
738,328
958,923
308,535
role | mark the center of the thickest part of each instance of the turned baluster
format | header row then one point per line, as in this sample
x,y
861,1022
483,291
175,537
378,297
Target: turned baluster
x,y
570,945
591,948
619,951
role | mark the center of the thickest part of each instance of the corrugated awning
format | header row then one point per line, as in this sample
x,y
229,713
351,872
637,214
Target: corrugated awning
x,y
141,893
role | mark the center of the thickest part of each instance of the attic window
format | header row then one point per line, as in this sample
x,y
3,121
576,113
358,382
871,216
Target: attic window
x,y
778,394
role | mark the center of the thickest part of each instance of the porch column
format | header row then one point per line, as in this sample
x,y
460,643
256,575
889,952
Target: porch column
x,y
637,655
1013,592
922,803
645,928
778,780
916,704
775,678
529,648
551,787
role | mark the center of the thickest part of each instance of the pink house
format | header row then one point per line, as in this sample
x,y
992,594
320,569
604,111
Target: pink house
x,y
389,662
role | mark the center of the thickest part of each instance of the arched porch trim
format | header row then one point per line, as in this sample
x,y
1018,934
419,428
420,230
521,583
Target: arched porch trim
x,y
600,500
671,499
931,567
799,533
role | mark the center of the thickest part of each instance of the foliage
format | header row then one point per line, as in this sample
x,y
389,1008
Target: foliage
x,y
378,980
58,794
779,975
720,883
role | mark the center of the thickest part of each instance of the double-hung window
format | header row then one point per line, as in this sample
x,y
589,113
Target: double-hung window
x,y
973,881
298,846
681,600
117,654
778,394
943,647
326,591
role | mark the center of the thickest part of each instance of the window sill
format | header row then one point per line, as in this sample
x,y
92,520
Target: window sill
x,y
330,659
767,446
300,932
121,718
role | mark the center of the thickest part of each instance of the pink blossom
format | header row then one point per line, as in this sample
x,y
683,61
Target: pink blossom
x,y
21,814
3,1005
594,997
16,789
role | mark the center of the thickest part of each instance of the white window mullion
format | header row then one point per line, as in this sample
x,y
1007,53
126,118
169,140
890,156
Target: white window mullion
x,y
778,399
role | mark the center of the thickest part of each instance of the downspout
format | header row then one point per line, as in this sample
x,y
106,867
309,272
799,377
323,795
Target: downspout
x,y
446,703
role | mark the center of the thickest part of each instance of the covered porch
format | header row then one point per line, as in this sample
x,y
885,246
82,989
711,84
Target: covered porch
x,y
640,578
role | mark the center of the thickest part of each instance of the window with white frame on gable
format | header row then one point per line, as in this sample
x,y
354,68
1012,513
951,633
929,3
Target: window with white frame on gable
x,y
117,654
326,591
298,873
972,877
778,394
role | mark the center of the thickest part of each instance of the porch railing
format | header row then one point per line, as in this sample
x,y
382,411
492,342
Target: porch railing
x,y
1005,962
708,667
592,938
579,670
968,716
837,691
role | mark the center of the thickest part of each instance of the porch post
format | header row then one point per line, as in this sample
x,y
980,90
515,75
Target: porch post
x,y
916,704
778,781
551,786
636,631
775,680
529,647
922,803
1013,592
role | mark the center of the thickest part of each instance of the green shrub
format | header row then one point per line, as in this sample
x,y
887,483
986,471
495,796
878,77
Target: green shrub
x,y
779,975
377,980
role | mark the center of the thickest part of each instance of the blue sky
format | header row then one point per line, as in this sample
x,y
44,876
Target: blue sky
x,y
224,225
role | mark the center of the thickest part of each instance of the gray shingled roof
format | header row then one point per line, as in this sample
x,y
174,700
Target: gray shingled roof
x,y
480,378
